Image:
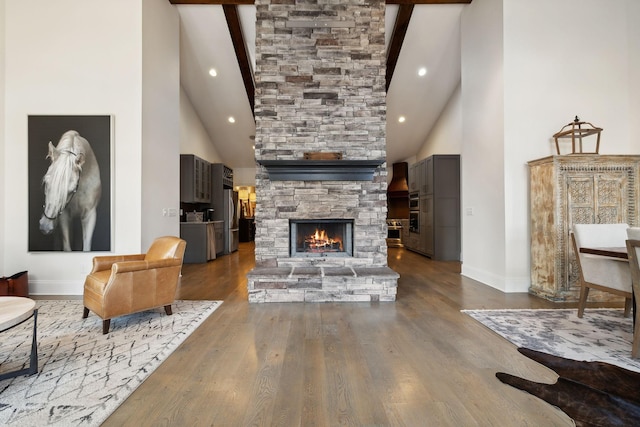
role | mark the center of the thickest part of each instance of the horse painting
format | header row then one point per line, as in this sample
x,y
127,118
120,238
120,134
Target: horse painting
x,y
72,189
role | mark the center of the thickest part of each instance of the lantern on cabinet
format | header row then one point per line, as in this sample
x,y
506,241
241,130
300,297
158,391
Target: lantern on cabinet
x,y
577,130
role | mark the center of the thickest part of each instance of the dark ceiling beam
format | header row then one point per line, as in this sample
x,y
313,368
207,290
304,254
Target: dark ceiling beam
x,y
397,38
235,30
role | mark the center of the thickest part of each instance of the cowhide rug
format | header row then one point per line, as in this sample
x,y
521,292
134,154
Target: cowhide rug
x,y
592,393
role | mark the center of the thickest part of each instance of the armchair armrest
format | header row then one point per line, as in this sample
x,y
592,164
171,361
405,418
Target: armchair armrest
x,y
101,263
136,265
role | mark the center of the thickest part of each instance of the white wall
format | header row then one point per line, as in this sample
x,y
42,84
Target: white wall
x,y
160,120
592,51
194,138
3,153
446,135
524,77
76,57
244,177
633,12
482,155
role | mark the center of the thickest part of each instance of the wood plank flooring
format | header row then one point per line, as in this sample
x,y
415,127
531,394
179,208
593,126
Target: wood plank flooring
x,y
415,362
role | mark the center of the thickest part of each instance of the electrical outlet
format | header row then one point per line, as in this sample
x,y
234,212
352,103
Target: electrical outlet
x,y
173,212
469,211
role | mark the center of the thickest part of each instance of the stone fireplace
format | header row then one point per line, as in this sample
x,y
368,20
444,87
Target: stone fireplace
x,y
320,89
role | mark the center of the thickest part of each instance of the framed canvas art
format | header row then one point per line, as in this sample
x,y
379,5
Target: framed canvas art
x,y
70,181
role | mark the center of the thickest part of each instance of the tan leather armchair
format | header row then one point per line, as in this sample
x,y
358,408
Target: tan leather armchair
x,y
125,284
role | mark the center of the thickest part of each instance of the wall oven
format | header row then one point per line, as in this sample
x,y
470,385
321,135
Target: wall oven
x,y
414,202
414,221
414,213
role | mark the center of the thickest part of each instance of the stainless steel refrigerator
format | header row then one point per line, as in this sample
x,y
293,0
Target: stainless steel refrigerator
x,y
231,219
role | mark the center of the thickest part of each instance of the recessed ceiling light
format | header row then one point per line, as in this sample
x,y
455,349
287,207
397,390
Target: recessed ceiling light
x,y
422,72
231,119
213,72
401,119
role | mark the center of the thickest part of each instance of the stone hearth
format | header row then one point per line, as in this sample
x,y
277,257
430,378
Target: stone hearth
x,y
320,87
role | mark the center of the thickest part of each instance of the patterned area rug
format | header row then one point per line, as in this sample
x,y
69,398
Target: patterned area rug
x,y
83,376
602,334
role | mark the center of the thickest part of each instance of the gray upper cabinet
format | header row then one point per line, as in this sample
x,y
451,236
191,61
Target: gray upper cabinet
x,y
414,178
427,177
195,179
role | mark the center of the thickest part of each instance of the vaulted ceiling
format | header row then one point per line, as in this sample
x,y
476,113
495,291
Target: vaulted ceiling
x,y
221,35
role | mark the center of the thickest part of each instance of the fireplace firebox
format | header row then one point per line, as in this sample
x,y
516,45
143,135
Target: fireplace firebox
x,y
321,237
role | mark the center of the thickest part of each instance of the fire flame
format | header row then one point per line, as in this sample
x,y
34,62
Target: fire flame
x,y
320,240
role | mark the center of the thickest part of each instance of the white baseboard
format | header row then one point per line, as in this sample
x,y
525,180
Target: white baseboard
x,y
501,283
55,287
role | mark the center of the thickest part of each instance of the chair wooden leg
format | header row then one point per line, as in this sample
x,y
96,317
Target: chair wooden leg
x,y
628,302
105,326
85,313
167,309
635,345
584,294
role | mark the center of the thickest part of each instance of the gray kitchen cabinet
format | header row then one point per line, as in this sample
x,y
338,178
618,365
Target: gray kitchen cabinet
x,y
426,225
201,241
426,186
195,179
421,177
414,184
439,186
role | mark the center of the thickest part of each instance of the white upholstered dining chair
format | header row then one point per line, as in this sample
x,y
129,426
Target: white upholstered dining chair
x,y
599,272
633,249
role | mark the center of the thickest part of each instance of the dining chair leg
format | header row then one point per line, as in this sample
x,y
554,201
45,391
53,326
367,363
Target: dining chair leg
x,y
628,302
635,346
584,294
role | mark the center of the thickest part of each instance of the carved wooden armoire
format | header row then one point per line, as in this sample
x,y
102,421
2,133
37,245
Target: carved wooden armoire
x,y
575,189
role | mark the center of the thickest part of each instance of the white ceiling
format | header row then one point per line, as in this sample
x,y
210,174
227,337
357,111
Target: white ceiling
x,y
432,41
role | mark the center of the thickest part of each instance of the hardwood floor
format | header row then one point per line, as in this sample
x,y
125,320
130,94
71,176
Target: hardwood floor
x,y
415,362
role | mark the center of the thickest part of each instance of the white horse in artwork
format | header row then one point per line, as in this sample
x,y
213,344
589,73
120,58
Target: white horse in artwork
x,y
72,189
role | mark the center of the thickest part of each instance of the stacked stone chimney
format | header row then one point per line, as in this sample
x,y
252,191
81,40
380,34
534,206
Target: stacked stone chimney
x,y
320,87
